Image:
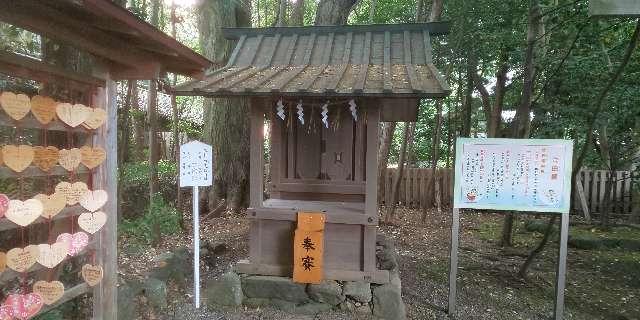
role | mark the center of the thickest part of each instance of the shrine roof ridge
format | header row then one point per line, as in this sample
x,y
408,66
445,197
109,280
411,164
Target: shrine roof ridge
x,y
434,28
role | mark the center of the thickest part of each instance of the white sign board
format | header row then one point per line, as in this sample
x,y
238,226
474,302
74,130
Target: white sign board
x,y
195,164
196,170
513,174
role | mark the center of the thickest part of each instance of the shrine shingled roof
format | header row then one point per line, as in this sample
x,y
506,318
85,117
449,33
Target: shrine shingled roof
x,y
357,60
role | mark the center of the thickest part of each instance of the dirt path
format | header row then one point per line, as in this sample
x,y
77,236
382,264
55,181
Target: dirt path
x,y
488,286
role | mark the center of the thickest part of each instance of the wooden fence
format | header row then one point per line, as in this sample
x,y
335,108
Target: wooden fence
x,y
416,189
591,187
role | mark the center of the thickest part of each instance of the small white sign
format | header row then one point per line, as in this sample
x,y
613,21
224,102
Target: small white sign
x,y
195,164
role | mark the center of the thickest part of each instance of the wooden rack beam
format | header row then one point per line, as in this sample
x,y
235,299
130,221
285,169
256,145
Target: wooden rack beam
x,y
5,224
30,122
30,68
33,171
9,274
69,294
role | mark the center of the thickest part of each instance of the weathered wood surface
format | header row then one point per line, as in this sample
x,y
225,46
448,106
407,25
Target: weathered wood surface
x,y
9,274
377,60
105,305
594,184
614,8
33,171
30,122
416,187
67,212
29,68
415,190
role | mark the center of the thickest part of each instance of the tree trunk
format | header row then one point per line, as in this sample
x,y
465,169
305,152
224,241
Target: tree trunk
x,y
124,139
406,141
297,13
635,180
633,43
436,10
372,11
419,10
521,121
536,251
282,13
388,131
175,123
522,118
333,12
139,124
226,120
435,154
125,123
152,102
468,97
153,157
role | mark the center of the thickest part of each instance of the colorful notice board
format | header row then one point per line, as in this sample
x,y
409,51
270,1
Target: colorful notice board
x,y
513,174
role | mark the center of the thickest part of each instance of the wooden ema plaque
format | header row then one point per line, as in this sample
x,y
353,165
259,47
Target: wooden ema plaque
x,y
308,248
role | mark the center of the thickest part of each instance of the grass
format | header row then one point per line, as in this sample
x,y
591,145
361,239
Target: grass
x,y
603,283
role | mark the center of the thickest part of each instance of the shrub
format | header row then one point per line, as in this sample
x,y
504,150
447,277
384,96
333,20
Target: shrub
x,y
166,216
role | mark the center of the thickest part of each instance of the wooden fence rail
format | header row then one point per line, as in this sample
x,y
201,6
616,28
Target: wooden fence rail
x,y
416,189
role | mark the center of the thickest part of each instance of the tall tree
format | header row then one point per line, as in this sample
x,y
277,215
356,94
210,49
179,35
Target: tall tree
x,y
522,119
226,120
297,13
333,12
152,114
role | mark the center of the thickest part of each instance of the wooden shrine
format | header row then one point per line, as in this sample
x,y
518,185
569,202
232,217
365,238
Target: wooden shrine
x,y
82,109
324,90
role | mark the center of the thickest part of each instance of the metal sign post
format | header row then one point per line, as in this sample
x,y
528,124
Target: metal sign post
x,y
515,175
196,170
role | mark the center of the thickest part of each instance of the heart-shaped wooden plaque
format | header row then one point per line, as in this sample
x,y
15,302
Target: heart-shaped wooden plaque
x,y
52,204
4,204
92,222
45,158
92,157
21,259
70,158
6,313
75,242
91,274
43,108
23,213
96,118
72,192
15,105
50,291
17,158
51,255
72,115
94,200
24,306
3,261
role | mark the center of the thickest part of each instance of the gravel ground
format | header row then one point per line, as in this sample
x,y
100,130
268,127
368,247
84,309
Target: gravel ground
x,y
488,285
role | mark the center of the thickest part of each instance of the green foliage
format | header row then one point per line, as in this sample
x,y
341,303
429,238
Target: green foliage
x,y
161,213
54,314
138,172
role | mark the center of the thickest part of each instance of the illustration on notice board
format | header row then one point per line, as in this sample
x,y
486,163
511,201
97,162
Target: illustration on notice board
x,y
531,174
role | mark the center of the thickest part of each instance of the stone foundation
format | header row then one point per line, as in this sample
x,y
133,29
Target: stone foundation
x,y
383,301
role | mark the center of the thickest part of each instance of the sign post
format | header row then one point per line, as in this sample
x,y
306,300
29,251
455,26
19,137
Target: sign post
x,y
196,170
532,175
